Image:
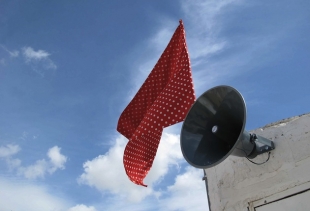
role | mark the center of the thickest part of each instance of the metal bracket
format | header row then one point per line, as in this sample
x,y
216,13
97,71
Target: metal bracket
x,y
262,145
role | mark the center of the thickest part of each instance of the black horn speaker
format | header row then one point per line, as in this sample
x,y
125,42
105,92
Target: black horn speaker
x,y
214,128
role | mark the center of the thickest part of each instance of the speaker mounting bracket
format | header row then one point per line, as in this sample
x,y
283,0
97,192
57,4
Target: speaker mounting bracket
x,y
262,145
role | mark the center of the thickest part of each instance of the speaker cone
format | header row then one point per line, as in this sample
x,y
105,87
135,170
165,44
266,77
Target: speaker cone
x,y
214,128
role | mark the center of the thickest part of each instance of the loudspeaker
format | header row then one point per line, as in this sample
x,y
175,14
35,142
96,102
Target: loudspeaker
x,y
214,129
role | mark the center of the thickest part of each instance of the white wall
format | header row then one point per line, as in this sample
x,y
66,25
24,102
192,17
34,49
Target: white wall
x,y
237,184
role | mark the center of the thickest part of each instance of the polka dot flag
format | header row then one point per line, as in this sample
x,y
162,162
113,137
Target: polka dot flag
x,y
163,100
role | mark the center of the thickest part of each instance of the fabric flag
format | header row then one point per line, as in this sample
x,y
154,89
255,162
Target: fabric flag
x,y
163,100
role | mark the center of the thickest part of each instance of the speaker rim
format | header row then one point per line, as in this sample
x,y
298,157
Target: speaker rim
x,y
239,137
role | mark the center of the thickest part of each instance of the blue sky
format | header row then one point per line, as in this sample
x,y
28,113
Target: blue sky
x,y
68,69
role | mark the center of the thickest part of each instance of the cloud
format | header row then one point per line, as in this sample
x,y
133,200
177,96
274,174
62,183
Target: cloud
x,y
222,47
9,150
82,207
18,195
187,193
41,167
13,163
106,172
32,55
6,152
204,24
56,158
203,21
207,23
38,60
34,171
13,53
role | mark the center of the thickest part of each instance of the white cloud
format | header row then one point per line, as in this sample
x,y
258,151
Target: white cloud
x,y
39,60
9,150
13,53
210,46
13,163
18,195
41,167
31,54
34,171
168,154
56,158
106,172
204,24
187,193
82,207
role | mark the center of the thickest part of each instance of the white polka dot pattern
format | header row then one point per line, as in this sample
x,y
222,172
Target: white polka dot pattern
x,y
163,100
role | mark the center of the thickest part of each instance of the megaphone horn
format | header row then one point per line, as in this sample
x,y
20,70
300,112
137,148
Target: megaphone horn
x,y
214,129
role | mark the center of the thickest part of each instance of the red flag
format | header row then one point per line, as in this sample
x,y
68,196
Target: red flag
x,y
164,99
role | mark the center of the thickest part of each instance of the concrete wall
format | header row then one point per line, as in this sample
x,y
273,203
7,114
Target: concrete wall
x,y
237,184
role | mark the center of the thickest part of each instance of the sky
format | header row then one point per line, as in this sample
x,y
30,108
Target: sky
x,y
69,68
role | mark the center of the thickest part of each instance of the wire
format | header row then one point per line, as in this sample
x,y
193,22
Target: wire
x,y
259,163
252,139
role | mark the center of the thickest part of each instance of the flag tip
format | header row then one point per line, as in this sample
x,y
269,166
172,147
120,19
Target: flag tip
x,y
180,21
137,182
